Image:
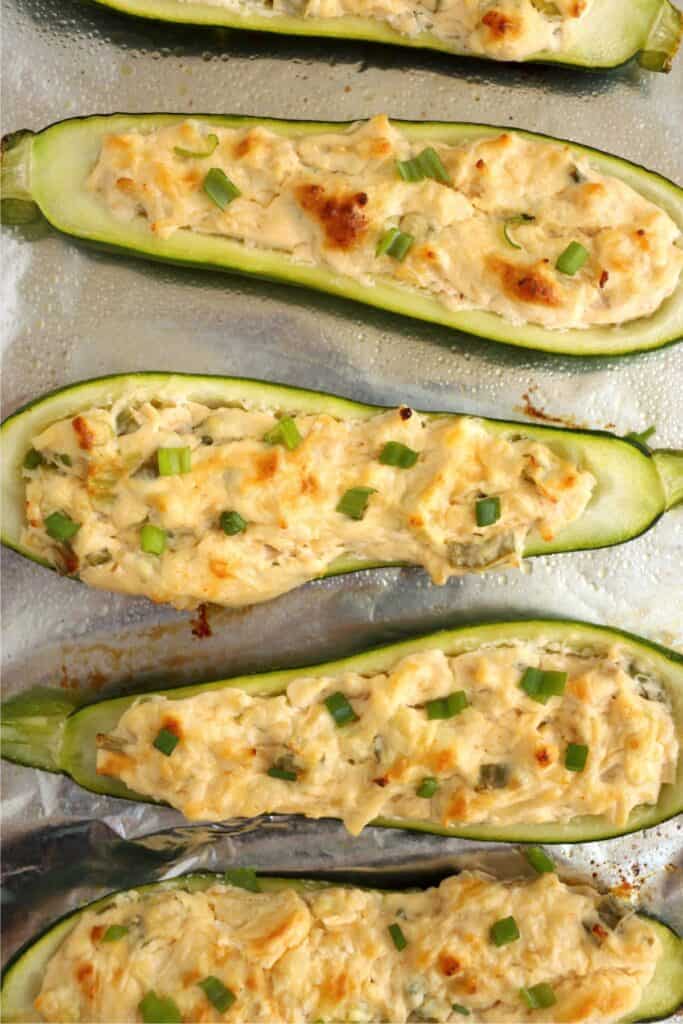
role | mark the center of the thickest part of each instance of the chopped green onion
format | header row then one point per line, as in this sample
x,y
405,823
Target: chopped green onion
x,y
494,776
65,459
541,686
575,757
166,741
487,511
243,878
159,1010
426,164
284,432
340,709
232,523
218,995
539,859
504,931
522,218
219,188
281,770
61,527
33,459
447,707
459,1008
172,461
398,937
572,259
427,787
395,243
396,454
114,932
152,539
355,501
211,142
538,997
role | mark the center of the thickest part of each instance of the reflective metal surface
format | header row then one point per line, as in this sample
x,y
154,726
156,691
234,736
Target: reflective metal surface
x,y
69,313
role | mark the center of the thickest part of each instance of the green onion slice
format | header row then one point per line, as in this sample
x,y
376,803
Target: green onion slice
x,y
447,707
166,741
541,685
522,218
232,523
426,164
243,878
65,459
340,709
459,1008
487,511
396,454
218,995
395,243
152,539
282,770
398,937
539,859
575,757
538,997
494,776
219,188
61,527
504,931
427,787
211,143
159,1010
572,259
284,432
33,459
114,932
172,461
354,502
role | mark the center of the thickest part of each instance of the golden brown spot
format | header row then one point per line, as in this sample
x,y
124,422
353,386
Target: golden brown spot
x,y
340,215
114,764
219,568
542,756
69,561
599,932
427,253
189,978
245,146
263,940
97,932
480,165
604,278
310,484
399,768
442,760
416,521
642,240
471,985
633,743
380,147
266,465
405,412
125,185
449,965
502,26
579,688
192,177
85,976
525,283
335,988
381,781
457,808
117,974
85,435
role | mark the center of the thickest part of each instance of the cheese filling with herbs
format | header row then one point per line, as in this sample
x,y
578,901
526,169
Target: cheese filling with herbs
x,y
475,946
501,735
528,230
502,29
188,504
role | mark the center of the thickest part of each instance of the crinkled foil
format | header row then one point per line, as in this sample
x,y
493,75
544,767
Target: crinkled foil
x,y
68,313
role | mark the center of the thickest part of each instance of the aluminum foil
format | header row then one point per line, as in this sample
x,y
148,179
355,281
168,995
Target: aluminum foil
x,y
68,313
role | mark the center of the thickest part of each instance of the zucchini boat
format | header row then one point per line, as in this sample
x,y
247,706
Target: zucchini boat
x,y
631,487
99,744
608,35
614,292
104,934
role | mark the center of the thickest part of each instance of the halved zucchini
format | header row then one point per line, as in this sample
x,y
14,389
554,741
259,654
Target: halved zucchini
x,y
634,485
23,975
44,730
611,34
50,169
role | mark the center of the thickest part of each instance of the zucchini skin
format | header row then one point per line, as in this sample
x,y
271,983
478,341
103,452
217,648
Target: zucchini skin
x,y
656,43
69,748
660,998
28,176
650,482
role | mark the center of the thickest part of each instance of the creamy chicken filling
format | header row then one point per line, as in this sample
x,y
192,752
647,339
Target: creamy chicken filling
x,y
524,229
332,954
445,740
248,505
501,29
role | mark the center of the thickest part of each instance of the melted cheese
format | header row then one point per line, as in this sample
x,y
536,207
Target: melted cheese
x,y
425,515
327,199
499,761
499,29
326,954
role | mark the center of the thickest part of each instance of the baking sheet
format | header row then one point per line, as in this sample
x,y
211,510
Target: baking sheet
x,y
68,313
